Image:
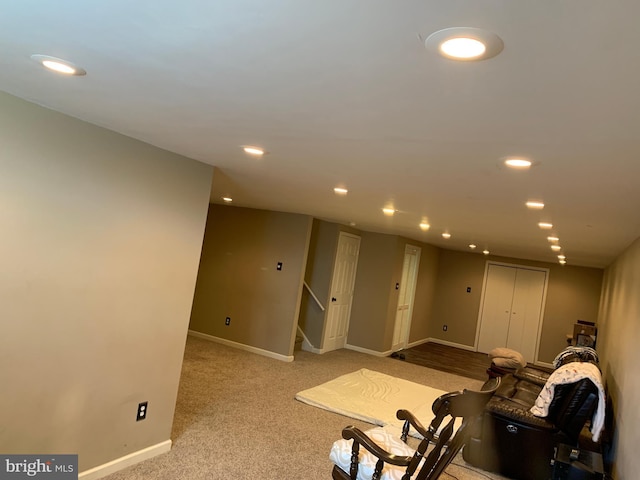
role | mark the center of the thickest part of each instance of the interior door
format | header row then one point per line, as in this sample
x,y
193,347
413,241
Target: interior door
x,y
342,283
405,297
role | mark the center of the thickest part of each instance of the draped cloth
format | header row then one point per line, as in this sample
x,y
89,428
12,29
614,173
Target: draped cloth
x,y
571,373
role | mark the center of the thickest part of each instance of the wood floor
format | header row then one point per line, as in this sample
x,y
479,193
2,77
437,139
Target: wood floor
x,y
447,359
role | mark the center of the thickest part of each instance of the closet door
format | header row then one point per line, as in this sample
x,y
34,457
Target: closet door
x,y
496,308
512,309
526,310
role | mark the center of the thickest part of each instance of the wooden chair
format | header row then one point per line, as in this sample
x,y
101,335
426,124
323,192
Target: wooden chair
x,y
404,465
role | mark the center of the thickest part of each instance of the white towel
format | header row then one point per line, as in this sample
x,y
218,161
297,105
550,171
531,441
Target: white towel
x,y
570,373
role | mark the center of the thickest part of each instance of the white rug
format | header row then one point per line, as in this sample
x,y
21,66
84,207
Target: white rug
x,y
372,397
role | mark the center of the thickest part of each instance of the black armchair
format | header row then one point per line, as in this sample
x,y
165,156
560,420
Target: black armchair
x,y
510,440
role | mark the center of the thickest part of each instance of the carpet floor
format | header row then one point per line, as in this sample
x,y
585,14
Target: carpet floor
x,y
236,416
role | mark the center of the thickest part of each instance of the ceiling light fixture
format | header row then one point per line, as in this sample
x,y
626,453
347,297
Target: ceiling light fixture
x,y
485,251
424,226
388,211
472,246
561,257
562,262
446,235
253,151
545,225
340,191
556,248
553,239
520,163
464,43
227,199
59,65
534,205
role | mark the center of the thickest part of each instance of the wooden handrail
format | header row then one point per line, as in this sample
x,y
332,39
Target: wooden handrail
x,y
313,295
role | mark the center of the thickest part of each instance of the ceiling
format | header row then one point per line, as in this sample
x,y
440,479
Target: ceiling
x,y
344,93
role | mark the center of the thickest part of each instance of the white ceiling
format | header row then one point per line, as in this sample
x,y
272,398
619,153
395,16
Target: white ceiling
x,y
343,92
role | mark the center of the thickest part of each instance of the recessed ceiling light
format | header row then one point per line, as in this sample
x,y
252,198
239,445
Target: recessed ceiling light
x,y
545,225
556,248
253,150
561,257
562,262
446,235
534,205
464,43
472,246
485,251
388,211
521,163
340,191
553,239
227,199
462,48
424,226
59,65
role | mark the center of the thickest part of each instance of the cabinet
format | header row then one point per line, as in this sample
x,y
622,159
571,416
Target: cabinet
x,y
511,309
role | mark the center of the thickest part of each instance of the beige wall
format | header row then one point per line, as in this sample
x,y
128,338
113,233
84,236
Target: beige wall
x,y
318,273
375,299
101,237
374,291
238,277
453,306
618,347
573,293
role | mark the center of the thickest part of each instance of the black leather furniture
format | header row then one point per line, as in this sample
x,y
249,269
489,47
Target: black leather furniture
x,y
511,441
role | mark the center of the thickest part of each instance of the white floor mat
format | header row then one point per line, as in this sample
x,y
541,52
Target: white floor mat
x,y
372,397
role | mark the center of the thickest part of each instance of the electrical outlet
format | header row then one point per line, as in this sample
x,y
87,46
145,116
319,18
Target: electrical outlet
x,y
142,411
444,328
227,321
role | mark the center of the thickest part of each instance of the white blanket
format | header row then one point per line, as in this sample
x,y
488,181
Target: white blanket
x,y
570,373
372,397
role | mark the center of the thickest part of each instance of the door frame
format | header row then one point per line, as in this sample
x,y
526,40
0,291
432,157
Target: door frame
x,y
542,309
414,282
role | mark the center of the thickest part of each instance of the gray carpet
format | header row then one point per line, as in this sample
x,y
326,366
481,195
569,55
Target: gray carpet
x,y
236,416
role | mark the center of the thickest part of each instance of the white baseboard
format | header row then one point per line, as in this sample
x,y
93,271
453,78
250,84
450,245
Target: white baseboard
x,y
126,461
307,347
419,342
306,344
242,346
451,344
370,352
